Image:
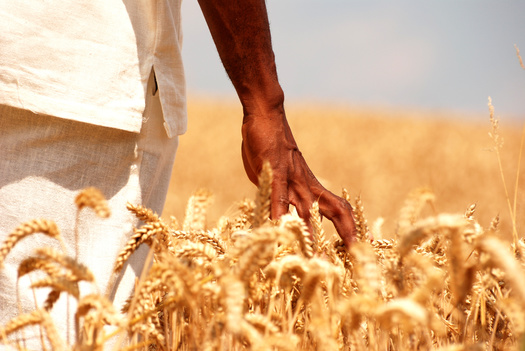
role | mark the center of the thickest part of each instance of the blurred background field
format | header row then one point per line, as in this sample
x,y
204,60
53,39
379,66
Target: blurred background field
x,y
380,154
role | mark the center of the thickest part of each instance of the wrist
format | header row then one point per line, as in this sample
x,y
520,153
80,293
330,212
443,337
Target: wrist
x,y
264,103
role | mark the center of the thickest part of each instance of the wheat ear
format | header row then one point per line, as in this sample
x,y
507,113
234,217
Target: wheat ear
x,y
499,257
205,237
31,264
36,317
101,306
58,284
141,235
234,295
402,313
143,213
412,207
43,226
256,253
93,198
195,216
297,226
317,226
75,271
361,224
262,200
193,251
469,213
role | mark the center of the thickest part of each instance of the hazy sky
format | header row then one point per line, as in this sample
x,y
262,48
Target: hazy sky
x,y
431,54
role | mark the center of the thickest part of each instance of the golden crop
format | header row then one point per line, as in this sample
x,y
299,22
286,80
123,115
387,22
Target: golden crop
x,y
441,282
438,264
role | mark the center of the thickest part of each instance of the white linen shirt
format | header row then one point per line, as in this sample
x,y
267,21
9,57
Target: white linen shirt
x,y
90,60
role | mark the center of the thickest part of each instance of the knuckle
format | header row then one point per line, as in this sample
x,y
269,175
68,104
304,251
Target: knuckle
x,y
283,200
340,207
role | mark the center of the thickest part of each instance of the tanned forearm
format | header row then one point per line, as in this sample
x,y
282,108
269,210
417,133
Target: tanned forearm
x,y
241,33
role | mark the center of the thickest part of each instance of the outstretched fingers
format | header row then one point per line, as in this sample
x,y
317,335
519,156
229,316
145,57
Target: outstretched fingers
x,y
334,208
271,140
301,191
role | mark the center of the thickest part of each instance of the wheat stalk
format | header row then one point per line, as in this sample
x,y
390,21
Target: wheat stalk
x,y
519,56
441,281
498,144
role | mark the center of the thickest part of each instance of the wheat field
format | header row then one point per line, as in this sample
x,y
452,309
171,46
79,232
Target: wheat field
x,y
438,264
379,154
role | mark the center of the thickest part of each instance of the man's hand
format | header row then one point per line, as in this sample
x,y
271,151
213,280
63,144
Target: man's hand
x,y
293,181
241,34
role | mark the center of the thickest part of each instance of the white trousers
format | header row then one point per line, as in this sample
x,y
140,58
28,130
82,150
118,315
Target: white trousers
x,y
44,162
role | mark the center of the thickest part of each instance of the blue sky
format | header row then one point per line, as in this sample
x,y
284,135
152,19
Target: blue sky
x,y
425,54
